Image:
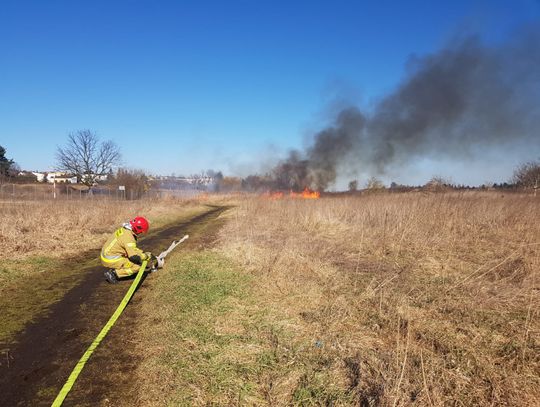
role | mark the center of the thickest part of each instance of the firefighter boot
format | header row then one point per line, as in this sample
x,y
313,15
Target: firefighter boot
x,y
110,276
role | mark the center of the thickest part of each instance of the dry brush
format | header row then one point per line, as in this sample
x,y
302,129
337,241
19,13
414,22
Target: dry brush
x,y
397,298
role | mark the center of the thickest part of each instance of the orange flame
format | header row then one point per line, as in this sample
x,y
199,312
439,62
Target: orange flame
x,y
305,194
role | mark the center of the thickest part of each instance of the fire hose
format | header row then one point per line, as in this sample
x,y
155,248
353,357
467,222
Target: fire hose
x,y
112,320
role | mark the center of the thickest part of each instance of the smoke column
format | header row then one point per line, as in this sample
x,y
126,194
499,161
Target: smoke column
x,y
465,97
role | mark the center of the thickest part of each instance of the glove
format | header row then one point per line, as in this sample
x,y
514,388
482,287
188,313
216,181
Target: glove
x,y
153,262
160,263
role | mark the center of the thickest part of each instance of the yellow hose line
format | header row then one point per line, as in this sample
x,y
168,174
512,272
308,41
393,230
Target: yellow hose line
x,y
82,361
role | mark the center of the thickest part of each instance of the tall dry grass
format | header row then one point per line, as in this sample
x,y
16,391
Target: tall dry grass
x,y
67,227
46,246
396,299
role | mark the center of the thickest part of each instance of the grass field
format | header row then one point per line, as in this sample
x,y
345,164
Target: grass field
x,y
66,227
378,299
383,299
46,243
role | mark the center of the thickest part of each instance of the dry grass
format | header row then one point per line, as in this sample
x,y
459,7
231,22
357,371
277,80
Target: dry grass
x,y
396,299
47,244
66,227
384,299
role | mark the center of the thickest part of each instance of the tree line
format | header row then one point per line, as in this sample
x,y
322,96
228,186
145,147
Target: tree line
x,y
90,160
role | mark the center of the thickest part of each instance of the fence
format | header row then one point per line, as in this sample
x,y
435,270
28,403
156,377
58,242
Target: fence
x,y
40,192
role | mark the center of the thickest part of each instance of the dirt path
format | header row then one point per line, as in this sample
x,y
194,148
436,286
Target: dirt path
x,y
38,363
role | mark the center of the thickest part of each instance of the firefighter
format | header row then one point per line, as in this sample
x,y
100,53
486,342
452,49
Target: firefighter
x,y
120,253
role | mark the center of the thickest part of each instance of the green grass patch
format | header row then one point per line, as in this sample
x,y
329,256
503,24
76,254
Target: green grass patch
x,y
41,281
316,389
214,344
197,291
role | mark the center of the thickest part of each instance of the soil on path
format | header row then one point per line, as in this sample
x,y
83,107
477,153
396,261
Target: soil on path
x,y
43,355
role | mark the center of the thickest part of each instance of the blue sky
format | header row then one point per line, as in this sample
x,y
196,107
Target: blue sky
x,y
185,86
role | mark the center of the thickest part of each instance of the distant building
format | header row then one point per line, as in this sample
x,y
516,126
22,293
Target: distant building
x,y
196,182
61,177
26,176
40,176
95,177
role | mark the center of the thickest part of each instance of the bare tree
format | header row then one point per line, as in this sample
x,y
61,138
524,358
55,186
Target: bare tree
x,y
528,175
374,184
438,183
87,158
135,182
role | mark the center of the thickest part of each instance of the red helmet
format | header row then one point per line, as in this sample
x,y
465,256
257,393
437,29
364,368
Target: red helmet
x,y
139,225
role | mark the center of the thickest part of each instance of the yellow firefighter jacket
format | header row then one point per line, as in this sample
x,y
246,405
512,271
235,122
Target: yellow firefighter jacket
x,y
122,246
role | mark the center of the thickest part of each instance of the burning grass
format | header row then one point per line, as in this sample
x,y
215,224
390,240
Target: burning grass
x,y
305,194
394,299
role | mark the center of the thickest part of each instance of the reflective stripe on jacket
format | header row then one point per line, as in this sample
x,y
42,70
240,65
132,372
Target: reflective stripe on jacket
x,y
122,244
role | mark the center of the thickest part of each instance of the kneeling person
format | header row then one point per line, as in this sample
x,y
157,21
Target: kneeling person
x,y
120,253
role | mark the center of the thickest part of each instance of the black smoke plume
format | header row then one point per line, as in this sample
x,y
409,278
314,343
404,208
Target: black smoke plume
x,y
465,98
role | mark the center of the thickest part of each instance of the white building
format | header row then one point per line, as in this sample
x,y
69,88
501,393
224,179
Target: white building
x,y
95,177
61,177
40,176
